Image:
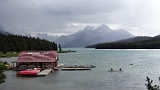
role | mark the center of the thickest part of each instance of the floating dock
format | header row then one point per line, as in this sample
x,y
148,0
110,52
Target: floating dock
x,y
44,72
74,67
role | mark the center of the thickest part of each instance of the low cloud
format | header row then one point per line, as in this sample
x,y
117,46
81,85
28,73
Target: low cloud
x,y
68,16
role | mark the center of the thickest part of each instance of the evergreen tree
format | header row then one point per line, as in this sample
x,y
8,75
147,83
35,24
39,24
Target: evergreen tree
x,y
21,43
149,85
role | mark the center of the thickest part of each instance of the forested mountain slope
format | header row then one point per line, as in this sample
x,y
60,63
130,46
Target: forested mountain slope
x,y
139,43
21,43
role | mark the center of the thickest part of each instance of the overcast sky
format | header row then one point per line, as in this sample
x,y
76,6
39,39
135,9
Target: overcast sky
x,y
56,17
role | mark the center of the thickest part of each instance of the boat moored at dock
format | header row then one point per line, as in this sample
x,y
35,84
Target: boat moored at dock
x,y
29,72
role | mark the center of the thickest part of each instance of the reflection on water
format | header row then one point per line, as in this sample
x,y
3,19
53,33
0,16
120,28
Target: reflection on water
x,y
137,64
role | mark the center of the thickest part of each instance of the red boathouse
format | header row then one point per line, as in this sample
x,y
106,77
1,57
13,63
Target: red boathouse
x,y
37,59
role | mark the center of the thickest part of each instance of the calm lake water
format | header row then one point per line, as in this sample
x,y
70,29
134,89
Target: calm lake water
x,y
145,63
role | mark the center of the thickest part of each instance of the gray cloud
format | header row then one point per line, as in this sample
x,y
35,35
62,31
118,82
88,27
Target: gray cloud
x,y
84,7
139,17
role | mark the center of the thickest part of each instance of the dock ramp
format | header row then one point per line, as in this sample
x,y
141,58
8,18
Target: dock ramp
x,y
44,72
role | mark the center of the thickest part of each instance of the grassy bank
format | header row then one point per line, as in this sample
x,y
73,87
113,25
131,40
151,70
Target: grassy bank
x,y
9,54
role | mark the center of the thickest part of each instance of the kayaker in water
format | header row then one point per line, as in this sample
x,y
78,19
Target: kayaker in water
x,y
120,69
111,69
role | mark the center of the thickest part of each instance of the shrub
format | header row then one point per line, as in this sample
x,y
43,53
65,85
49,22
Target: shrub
x,y
2,75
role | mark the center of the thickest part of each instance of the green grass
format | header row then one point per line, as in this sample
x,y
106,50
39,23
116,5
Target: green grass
x,y
9,54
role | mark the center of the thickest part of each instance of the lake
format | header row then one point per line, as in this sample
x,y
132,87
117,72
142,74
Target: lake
x,y
136,65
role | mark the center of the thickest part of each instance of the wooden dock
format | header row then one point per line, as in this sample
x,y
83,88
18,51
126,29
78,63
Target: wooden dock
x,y
44,72
60,65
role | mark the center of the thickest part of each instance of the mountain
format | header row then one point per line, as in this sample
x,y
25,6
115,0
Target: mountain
x,y
113,36
91,35
2,31
46,36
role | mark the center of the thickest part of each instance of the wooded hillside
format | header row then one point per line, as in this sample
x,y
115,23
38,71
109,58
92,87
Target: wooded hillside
x,y
149,43
20,43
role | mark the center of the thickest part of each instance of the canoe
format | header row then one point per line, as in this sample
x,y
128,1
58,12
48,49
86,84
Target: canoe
x,y
115,71
28,72
75,69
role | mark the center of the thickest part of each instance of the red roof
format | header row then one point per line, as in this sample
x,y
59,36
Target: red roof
x,y
37,56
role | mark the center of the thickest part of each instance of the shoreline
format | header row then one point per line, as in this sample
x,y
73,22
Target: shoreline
x,y
9,54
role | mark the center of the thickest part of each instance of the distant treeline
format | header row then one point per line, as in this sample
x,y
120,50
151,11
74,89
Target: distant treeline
x,y
20,43
151,43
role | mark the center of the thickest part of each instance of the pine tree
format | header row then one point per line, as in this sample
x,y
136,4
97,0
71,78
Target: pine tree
x,y
149,85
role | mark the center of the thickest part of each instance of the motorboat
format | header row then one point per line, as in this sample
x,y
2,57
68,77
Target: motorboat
x,y
29,72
